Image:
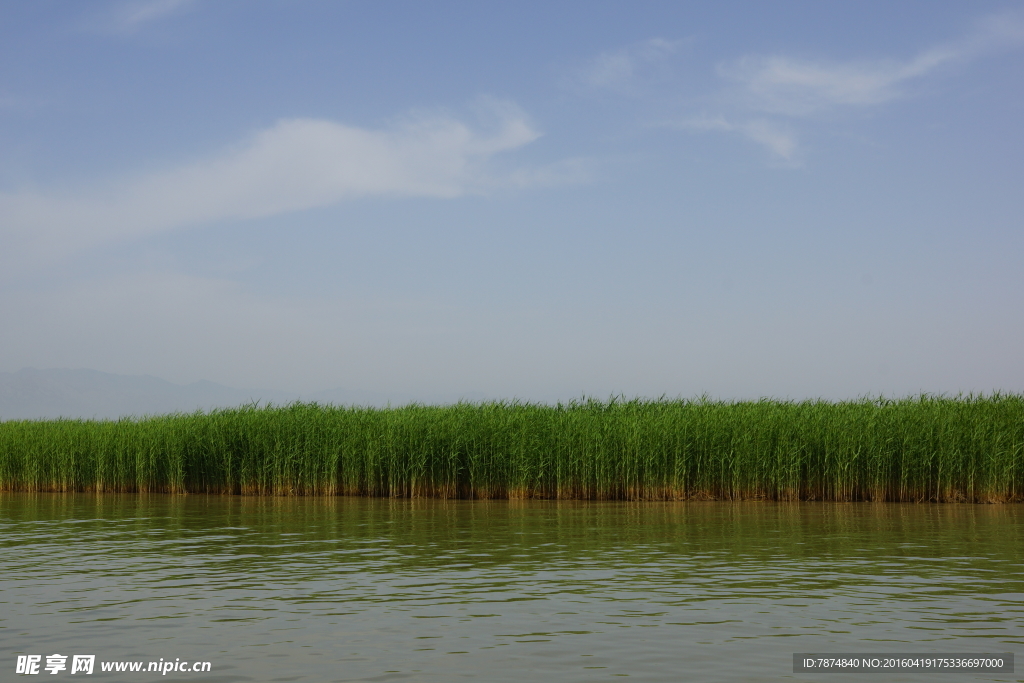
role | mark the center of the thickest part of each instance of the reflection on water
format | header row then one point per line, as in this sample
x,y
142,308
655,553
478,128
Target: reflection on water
x,y
353,589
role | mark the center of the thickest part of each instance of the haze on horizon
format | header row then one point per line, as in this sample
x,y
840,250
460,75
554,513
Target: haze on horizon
x,y
531,200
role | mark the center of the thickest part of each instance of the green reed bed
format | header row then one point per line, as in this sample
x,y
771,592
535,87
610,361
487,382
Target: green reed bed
x,y
919,449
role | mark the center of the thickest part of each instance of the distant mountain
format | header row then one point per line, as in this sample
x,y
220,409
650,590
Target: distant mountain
x,y
31,394
38,394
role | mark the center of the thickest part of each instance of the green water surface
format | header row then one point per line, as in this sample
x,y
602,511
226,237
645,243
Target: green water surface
x,y
356,589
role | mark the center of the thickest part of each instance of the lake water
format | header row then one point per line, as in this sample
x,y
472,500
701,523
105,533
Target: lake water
x,y
352,589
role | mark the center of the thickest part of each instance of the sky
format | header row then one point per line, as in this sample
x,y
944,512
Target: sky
x,y
531,200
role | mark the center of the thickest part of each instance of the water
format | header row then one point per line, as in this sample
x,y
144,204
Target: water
x,y
350,589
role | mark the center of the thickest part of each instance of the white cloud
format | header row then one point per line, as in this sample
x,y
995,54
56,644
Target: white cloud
x,y
789,87
1004,30
296,164
777,138
616,69
131,16
781,85
565,172
794,87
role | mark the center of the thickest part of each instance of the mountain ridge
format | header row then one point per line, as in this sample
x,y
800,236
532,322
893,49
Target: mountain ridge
x,y
79,393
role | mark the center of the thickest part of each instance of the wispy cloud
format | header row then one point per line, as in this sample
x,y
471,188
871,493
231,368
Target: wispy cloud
x,y
780,85
133,15
777,138
618,68
296,164
785,89
795,87
566,172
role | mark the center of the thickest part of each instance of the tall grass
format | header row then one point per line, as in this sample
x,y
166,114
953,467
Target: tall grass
x,y
917,449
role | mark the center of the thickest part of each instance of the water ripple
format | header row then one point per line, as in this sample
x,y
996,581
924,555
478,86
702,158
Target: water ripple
x,y
350,589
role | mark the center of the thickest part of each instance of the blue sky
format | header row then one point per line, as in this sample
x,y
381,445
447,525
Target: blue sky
x,y
532,200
